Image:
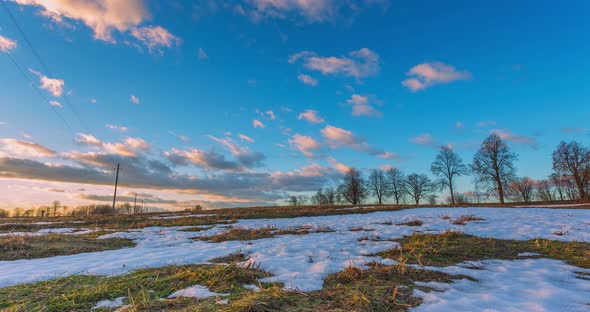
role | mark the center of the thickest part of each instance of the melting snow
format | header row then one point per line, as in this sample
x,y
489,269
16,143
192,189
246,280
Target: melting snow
x,y
509,285
303,261
196,291
109,304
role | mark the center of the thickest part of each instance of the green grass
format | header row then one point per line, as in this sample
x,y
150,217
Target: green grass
x,y
143,288
450,248
15,247
380,288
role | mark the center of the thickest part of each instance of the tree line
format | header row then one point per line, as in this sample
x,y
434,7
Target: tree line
x,y
492,168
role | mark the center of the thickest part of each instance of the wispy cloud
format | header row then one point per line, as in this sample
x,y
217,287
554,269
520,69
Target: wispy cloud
x,y
308,80
424,139
202,55
311,116
358,64
508,135
6,44
134,99
305,144
246,138
22,148
425,75
53,86
338,137
55,104
116,127
572,130
361,106
155,38
340,167
257,124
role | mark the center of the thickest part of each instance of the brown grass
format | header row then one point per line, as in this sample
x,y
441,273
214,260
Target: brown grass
x,y
15,247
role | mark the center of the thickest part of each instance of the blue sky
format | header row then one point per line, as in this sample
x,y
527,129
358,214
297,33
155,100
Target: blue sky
x,y
173,91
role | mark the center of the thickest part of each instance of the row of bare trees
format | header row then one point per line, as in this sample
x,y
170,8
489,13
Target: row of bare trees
x,y
493,170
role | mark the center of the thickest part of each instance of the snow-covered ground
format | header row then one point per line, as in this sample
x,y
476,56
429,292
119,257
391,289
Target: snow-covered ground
x,y
303,261
72,231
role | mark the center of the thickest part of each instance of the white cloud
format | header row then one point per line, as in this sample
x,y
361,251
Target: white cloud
x,y
93,101
311,116
257,124
340,167
87,139
271,115
155,38
24,148
134,99
362,107
53,86
487,123
116,127
106,16
312,11
358,64
305,144
426,75
202,55
424,139
246,138
55,104
128,148
308,80
7,44
508,135
338,137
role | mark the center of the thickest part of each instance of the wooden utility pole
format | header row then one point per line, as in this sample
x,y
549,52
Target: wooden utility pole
x,y
135,204
116,183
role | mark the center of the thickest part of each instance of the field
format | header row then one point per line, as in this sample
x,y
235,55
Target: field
x,y
373,258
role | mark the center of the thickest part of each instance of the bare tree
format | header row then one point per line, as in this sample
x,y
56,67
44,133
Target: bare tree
x,y
493,165
395,184
524,189
55,206
572,159
377,184
330,196
545,190
419,186
318,198
353,187
296,200
447,166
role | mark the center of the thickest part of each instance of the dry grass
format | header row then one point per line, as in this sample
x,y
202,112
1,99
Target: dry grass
x,y
450,248
463,219
15,247
248,234
414,222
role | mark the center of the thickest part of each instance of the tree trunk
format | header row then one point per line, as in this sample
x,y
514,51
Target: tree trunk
x,y
452,195
501,194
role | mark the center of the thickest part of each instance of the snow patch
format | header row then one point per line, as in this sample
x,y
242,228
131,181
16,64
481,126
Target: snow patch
x,y
196,291
509,285
109,304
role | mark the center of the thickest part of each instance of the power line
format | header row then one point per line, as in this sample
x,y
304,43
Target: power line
x,y
43,65
45,99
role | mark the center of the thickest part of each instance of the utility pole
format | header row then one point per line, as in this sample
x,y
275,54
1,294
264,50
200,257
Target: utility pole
x,y
142,207
116,183
135,204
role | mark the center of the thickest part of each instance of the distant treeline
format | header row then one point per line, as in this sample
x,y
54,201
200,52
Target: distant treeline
x,y
494,174
56,209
